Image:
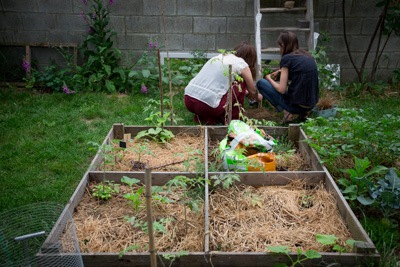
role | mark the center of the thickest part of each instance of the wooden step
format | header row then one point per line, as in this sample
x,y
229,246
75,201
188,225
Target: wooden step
x,y
281,9
276,49
270,50
281,29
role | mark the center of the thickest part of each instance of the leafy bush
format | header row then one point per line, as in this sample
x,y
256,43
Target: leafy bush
x,y
101,68
352,135
385,194
360,179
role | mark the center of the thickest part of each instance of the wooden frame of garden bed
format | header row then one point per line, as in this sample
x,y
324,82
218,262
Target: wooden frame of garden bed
x,y
364,249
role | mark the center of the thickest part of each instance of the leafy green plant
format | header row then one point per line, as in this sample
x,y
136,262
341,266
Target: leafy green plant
x,y
300,257
193,193
141,149
129,248
52,78
331,240
158,226
172,257
225,180
327,240
360,179
104,151
327,73
385,194
158,134
144,73
194,189
101,70
136,197
195,157
105,190
352,135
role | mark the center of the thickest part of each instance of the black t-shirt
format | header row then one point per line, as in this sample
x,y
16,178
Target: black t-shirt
x,y
303,74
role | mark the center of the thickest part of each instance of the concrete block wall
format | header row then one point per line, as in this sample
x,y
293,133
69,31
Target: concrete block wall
x,y
205,25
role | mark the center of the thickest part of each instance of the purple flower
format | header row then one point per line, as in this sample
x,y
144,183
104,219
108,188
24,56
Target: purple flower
x,y
83,16
143,89
152,45
26,65
84,2
111,2
67,91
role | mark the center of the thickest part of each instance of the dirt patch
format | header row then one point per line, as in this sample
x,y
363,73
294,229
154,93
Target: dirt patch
x,y
263,113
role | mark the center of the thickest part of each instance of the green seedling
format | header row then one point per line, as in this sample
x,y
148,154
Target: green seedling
x,y
300,257
129,248
225,180
172,257
158,133
105,190
331,240
193,192
135,197
158,226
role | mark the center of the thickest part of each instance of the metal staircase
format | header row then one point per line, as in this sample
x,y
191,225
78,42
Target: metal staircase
x,y
299,19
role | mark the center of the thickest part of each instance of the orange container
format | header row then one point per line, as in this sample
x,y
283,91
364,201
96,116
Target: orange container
x,y
262,162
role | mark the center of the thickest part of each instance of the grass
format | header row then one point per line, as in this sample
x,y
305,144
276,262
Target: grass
x,y
44,140
45,152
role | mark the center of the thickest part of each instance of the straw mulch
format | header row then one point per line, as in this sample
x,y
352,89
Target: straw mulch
x,y
103,226
178,155
291,162
248,219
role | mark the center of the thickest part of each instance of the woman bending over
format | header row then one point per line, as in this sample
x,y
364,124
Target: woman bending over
x,y
206,95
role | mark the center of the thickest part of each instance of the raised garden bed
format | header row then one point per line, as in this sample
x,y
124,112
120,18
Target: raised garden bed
x,y
260,191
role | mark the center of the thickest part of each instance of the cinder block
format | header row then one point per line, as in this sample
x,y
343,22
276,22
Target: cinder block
x,y
66,22
55,6
177,24
128,8
151,8
38,22
143,24
205,42
239,25
11,21
19,6
209,25
194,7
235,8
229,41
31,36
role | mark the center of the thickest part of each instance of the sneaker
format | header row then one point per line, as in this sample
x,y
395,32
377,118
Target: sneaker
x,y
252,102
287,117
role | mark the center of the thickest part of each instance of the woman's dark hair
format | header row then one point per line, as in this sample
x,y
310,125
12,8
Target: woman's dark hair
x,y
290,44
247,51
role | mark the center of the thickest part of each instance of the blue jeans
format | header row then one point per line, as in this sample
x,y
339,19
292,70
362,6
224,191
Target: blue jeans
x,y
277,99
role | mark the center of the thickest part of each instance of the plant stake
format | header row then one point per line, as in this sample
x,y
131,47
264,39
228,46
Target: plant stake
x,y
153,258
230,95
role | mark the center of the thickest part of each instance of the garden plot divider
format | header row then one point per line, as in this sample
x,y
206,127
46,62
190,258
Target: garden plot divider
x,y
364,251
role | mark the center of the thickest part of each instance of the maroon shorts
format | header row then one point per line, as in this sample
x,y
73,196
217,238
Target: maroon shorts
x,y
207,115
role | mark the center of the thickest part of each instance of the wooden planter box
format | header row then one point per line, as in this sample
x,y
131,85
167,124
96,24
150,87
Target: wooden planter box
x,y
364,250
